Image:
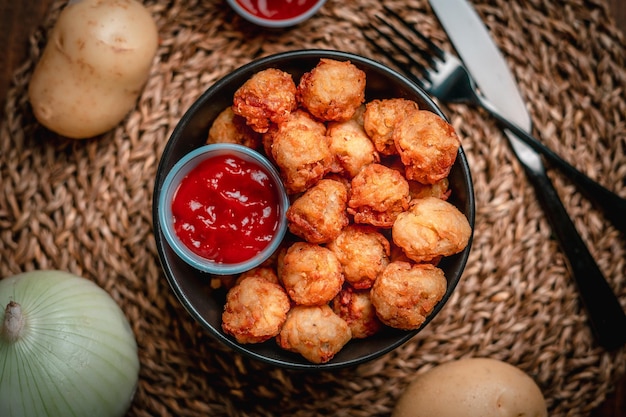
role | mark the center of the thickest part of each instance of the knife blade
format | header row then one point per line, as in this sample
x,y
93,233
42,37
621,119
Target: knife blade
x,y
479,53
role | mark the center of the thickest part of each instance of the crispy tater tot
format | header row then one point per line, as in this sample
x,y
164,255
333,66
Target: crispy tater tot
x,y
265,272
231,128
267,97
358,115
315,332
319,214
431,228
378,195
427,145
300,148
439,189
351,147
333,90
404,294
255,310
356,308
363,253
381,118
311,274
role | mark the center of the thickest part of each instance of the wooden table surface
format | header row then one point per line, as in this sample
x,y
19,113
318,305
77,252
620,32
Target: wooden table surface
x,y
19,18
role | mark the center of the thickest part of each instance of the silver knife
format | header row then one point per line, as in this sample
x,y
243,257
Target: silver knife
x,y
489,70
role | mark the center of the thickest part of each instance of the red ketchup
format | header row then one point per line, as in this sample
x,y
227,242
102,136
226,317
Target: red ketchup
x,y
277,9
226,209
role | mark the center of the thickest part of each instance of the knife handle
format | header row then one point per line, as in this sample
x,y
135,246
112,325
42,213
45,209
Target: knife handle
x,y
613,206
606,315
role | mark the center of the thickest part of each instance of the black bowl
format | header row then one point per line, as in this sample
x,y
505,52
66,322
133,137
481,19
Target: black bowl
x,y
192,286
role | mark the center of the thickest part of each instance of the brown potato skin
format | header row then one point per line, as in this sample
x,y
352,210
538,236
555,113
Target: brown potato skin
x,y
483,387
94,66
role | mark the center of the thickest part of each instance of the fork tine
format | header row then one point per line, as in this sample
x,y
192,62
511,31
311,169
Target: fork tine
x,y
425,55
402,65
439,53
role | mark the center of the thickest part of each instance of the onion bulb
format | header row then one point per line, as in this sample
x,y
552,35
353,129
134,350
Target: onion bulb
x,y
66,348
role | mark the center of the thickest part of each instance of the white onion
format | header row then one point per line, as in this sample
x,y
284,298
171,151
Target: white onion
x,y
66,348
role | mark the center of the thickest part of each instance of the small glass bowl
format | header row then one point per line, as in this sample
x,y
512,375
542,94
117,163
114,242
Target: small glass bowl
x,y
275,23
171,184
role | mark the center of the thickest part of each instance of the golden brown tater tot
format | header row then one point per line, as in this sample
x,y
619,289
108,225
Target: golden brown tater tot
x,y
363,253
231,128
315,332
356,308
427,145
404,294
267,97
255,310
319,214
431,228
301,149
311,274
333,90
381,118
378,195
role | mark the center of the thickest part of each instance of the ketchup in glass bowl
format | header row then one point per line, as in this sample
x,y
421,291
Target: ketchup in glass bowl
x,y
276,13
222,209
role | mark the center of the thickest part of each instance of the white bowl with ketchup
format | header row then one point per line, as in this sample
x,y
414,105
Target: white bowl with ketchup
x,y
193,287
222,209
276,13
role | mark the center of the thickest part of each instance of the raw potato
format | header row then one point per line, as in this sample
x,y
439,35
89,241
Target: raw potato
x,y
476,387
94,66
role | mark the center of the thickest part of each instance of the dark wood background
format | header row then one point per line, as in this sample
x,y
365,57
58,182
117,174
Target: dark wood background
x,y
19,18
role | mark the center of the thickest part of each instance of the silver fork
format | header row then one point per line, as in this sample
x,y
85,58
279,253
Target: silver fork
x,y
443,75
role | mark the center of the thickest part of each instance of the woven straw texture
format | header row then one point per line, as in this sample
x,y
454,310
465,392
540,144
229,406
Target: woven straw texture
x,y
85,207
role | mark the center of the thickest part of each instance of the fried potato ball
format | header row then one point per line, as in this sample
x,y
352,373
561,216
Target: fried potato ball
x,y
378,195
311,274
427,145
404,294
381,118
231,128
439,189
358,115
431,228
269,96
319,215
351,146
264,272
301,149
315,332
363,253
356,308
255,310
333,90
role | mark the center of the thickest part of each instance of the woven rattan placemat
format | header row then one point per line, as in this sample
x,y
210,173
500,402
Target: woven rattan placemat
x,y
85,207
